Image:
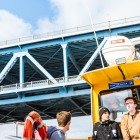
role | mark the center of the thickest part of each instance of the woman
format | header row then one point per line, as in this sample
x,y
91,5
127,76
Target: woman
x,y
106,129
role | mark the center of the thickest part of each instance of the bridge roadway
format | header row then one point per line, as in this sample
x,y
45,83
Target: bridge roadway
x,y
42,72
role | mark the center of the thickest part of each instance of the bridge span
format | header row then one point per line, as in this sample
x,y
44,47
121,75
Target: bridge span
x,y
42,72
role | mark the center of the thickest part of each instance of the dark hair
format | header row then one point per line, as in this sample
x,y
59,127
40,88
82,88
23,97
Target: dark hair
x,y
132,98
102,110
63,118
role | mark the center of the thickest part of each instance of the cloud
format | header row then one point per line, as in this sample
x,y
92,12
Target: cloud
x,y
114,10
12,27
75,13
68,14
45,25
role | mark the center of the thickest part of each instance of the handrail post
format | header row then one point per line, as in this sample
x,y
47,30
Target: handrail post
x,y
16,129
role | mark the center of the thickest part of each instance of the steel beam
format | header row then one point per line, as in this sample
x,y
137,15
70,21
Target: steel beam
x,y
24,99
73,60
21,71
65,61
72,101
8,67
92,58
40,68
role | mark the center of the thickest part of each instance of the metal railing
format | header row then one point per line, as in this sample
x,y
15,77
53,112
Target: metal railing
x,y
40,83
76,30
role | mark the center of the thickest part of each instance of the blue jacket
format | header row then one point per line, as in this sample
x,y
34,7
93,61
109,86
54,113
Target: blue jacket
x,y
55,133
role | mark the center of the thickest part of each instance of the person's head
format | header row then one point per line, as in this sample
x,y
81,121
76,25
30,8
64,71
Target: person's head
x,y
104,114
130,103
64,119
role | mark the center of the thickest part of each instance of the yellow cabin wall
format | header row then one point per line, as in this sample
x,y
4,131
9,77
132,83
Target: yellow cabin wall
x,y
99,80
95,98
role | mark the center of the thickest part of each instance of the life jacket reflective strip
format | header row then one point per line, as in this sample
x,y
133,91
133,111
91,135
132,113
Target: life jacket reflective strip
x,y
30,118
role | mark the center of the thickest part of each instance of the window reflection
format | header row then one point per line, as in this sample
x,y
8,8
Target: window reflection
x,y
115,100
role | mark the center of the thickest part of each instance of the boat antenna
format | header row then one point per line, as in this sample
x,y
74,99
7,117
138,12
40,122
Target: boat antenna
x,y
93,28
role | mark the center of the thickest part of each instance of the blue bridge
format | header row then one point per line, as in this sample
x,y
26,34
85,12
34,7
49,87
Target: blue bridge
x,y
42,72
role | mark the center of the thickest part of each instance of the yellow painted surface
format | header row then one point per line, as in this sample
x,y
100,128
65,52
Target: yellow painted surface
x,y
112,73
99,80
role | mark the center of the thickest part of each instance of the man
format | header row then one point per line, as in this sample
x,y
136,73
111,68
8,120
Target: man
x,y
106,129
58,133
130,123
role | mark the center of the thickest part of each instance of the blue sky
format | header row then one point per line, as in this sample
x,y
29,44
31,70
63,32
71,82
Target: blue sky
x,y
19,18
29,10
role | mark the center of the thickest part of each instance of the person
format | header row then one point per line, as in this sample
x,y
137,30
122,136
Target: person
x,y
64,121
130,122
106,129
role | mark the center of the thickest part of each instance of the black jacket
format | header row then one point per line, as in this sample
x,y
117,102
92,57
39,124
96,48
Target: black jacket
x,y
108,130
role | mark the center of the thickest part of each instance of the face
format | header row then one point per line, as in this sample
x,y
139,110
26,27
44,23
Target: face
x,y
130,105
105,116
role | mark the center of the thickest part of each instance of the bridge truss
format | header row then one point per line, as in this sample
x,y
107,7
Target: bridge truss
x,y
42,73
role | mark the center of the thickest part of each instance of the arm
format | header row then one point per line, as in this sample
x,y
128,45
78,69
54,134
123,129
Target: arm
x,y
94,135
124,127
120,137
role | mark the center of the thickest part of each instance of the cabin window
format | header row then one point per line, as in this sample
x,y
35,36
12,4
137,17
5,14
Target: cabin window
x,y
114,101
